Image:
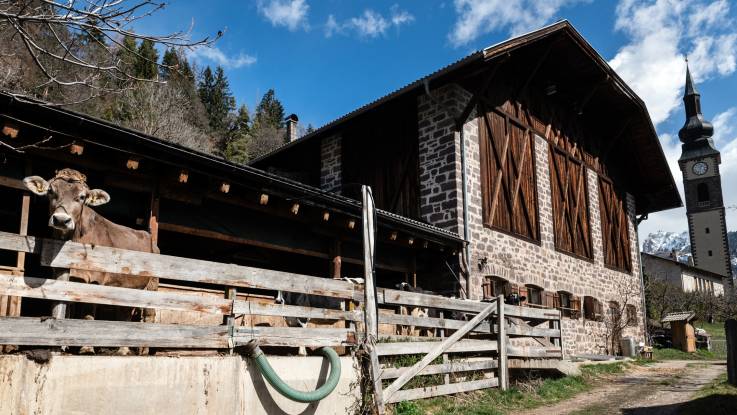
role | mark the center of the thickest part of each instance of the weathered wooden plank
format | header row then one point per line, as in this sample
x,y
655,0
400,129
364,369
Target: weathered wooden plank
x,y
60,254
438,350
50,289
533,352
52,332
462,346
263,309
18,243
512,330
12,183
430,391
532,313
295,336
451,367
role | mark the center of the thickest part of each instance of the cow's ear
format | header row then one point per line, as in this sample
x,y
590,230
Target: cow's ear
x,y
97,197
37,185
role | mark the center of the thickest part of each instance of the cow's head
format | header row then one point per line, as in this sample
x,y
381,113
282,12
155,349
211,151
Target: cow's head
x,y
68,195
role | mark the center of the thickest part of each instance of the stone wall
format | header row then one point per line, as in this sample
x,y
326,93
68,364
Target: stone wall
x,y
440,156
519,261
330,164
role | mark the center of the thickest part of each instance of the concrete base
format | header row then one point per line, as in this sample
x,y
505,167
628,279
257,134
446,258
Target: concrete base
x,y
166,385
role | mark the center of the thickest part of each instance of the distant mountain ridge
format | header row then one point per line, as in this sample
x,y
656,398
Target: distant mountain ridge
x,y
663,243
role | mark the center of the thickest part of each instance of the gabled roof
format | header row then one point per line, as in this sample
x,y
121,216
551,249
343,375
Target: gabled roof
x,y
679,316
657,189
683,265
62,121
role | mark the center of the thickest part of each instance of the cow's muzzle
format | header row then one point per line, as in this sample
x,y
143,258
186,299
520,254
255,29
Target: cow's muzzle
x,y
61,221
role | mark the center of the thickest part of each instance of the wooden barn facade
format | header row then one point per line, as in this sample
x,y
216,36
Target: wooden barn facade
x,y
536,153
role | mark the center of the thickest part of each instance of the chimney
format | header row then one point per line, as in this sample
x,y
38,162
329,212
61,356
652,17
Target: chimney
x,y
292,127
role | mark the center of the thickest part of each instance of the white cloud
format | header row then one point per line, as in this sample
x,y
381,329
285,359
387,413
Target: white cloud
x,y
661,33
217,56
291,14
478,17
370,24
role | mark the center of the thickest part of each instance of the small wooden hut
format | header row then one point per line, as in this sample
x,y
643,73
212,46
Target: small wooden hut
x,y
682,331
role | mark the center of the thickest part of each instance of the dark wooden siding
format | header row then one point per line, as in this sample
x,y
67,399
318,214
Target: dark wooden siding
x,y
382,152
508,190
614,227
569,194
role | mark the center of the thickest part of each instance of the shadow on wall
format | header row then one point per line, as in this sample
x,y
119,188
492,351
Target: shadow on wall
x,y
719,404
268,402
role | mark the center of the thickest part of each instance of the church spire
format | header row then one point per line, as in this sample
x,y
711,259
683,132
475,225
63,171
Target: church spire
x,y
696,129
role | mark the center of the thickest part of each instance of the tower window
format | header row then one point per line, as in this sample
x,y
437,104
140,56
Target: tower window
x,y
709,253
702,192
707,230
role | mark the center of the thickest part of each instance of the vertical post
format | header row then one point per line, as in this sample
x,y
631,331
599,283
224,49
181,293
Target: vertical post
x,y
369,289
59,310
229,320
730,327
446,377
337,261
501,339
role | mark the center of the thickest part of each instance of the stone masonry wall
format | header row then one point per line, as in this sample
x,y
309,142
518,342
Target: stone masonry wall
x,y
330,164
519,261
439,155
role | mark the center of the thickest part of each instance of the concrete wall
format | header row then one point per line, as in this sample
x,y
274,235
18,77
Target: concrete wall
x,y
514,259
230,385
686,278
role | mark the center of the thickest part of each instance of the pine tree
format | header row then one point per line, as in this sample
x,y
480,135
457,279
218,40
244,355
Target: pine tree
x,y
237,147
146,61
270,111
170,64
217,98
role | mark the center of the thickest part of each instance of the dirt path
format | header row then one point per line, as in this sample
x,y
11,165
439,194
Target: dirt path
x,y
658,389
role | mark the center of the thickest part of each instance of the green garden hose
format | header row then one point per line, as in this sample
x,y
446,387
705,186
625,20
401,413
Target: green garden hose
x,y
299,396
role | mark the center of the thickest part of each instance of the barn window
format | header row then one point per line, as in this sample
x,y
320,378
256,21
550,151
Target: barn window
x,y
631,314
495,286
592,309
614,227
534,295
570,203
568,304
615,313
702,192
509,198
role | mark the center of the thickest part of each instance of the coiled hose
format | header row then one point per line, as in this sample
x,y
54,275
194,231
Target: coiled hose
x,y
268,372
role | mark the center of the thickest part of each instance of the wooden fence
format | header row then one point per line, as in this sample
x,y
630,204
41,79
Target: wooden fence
x,y
465,343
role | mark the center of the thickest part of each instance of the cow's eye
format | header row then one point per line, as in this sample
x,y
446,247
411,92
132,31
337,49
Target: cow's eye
x,y
82,196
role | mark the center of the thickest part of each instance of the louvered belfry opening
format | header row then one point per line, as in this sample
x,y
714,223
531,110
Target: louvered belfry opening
x,y
508,174
614,227
569,193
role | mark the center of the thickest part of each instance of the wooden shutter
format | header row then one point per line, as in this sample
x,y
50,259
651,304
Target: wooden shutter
x,y
509,194
599,307
570,203
588,308
614,227
523,293
576,306
549,299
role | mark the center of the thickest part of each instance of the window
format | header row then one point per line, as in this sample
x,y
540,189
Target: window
x,y
534,295
614,227
570,203
508,190
631,314
615,313
494,287
568,304
702,192
707,230
592,309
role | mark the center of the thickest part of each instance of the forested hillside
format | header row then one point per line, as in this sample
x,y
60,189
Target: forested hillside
x,y
102,70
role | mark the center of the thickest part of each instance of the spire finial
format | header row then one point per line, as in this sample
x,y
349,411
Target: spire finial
x,y
690,88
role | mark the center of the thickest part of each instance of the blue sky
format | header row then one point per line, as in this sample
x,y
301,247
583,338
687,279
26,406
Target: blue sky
x,y
326,57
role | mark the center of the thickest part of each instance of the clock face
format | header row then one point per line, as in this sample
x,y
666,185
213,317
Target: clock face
x,y
700,168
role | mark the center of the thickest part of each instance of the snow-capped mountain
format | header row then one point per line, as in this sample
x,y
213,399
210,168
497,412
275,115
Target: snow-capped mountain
x,y
663,243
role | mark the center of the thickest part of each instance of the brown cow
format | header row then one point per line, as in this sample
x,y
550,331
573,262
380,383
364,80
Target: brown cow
x,y
72,219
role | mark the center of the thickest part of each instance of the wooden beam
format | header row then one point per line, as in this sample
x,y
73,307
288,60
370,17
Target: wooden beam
x,y
27,331
501,338
452,367
12,183
10,129
77,149
295,336
438,350
284,310
431,391
62,290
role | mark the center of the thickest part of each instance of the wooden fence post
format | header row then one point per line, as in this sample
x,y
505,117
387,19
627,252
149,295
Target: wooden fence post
x,y
730,327
371,313
501,339
59,310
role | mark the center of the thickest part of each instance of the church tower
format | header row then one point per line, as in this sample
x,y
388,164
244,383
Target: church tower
x,y
702,183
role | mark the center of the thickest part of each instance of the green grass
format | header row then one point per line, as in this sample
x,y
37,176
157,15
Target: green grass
x,y
675,354
522,396
716,330
719,397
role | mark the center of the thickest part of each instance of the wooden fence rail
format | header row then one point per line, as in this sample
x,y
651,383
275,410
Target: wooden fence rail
x,y
473,338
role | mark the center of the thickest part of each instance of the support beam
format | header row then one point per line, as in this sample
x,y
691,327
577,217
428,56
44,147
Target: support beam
x,y
501,336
